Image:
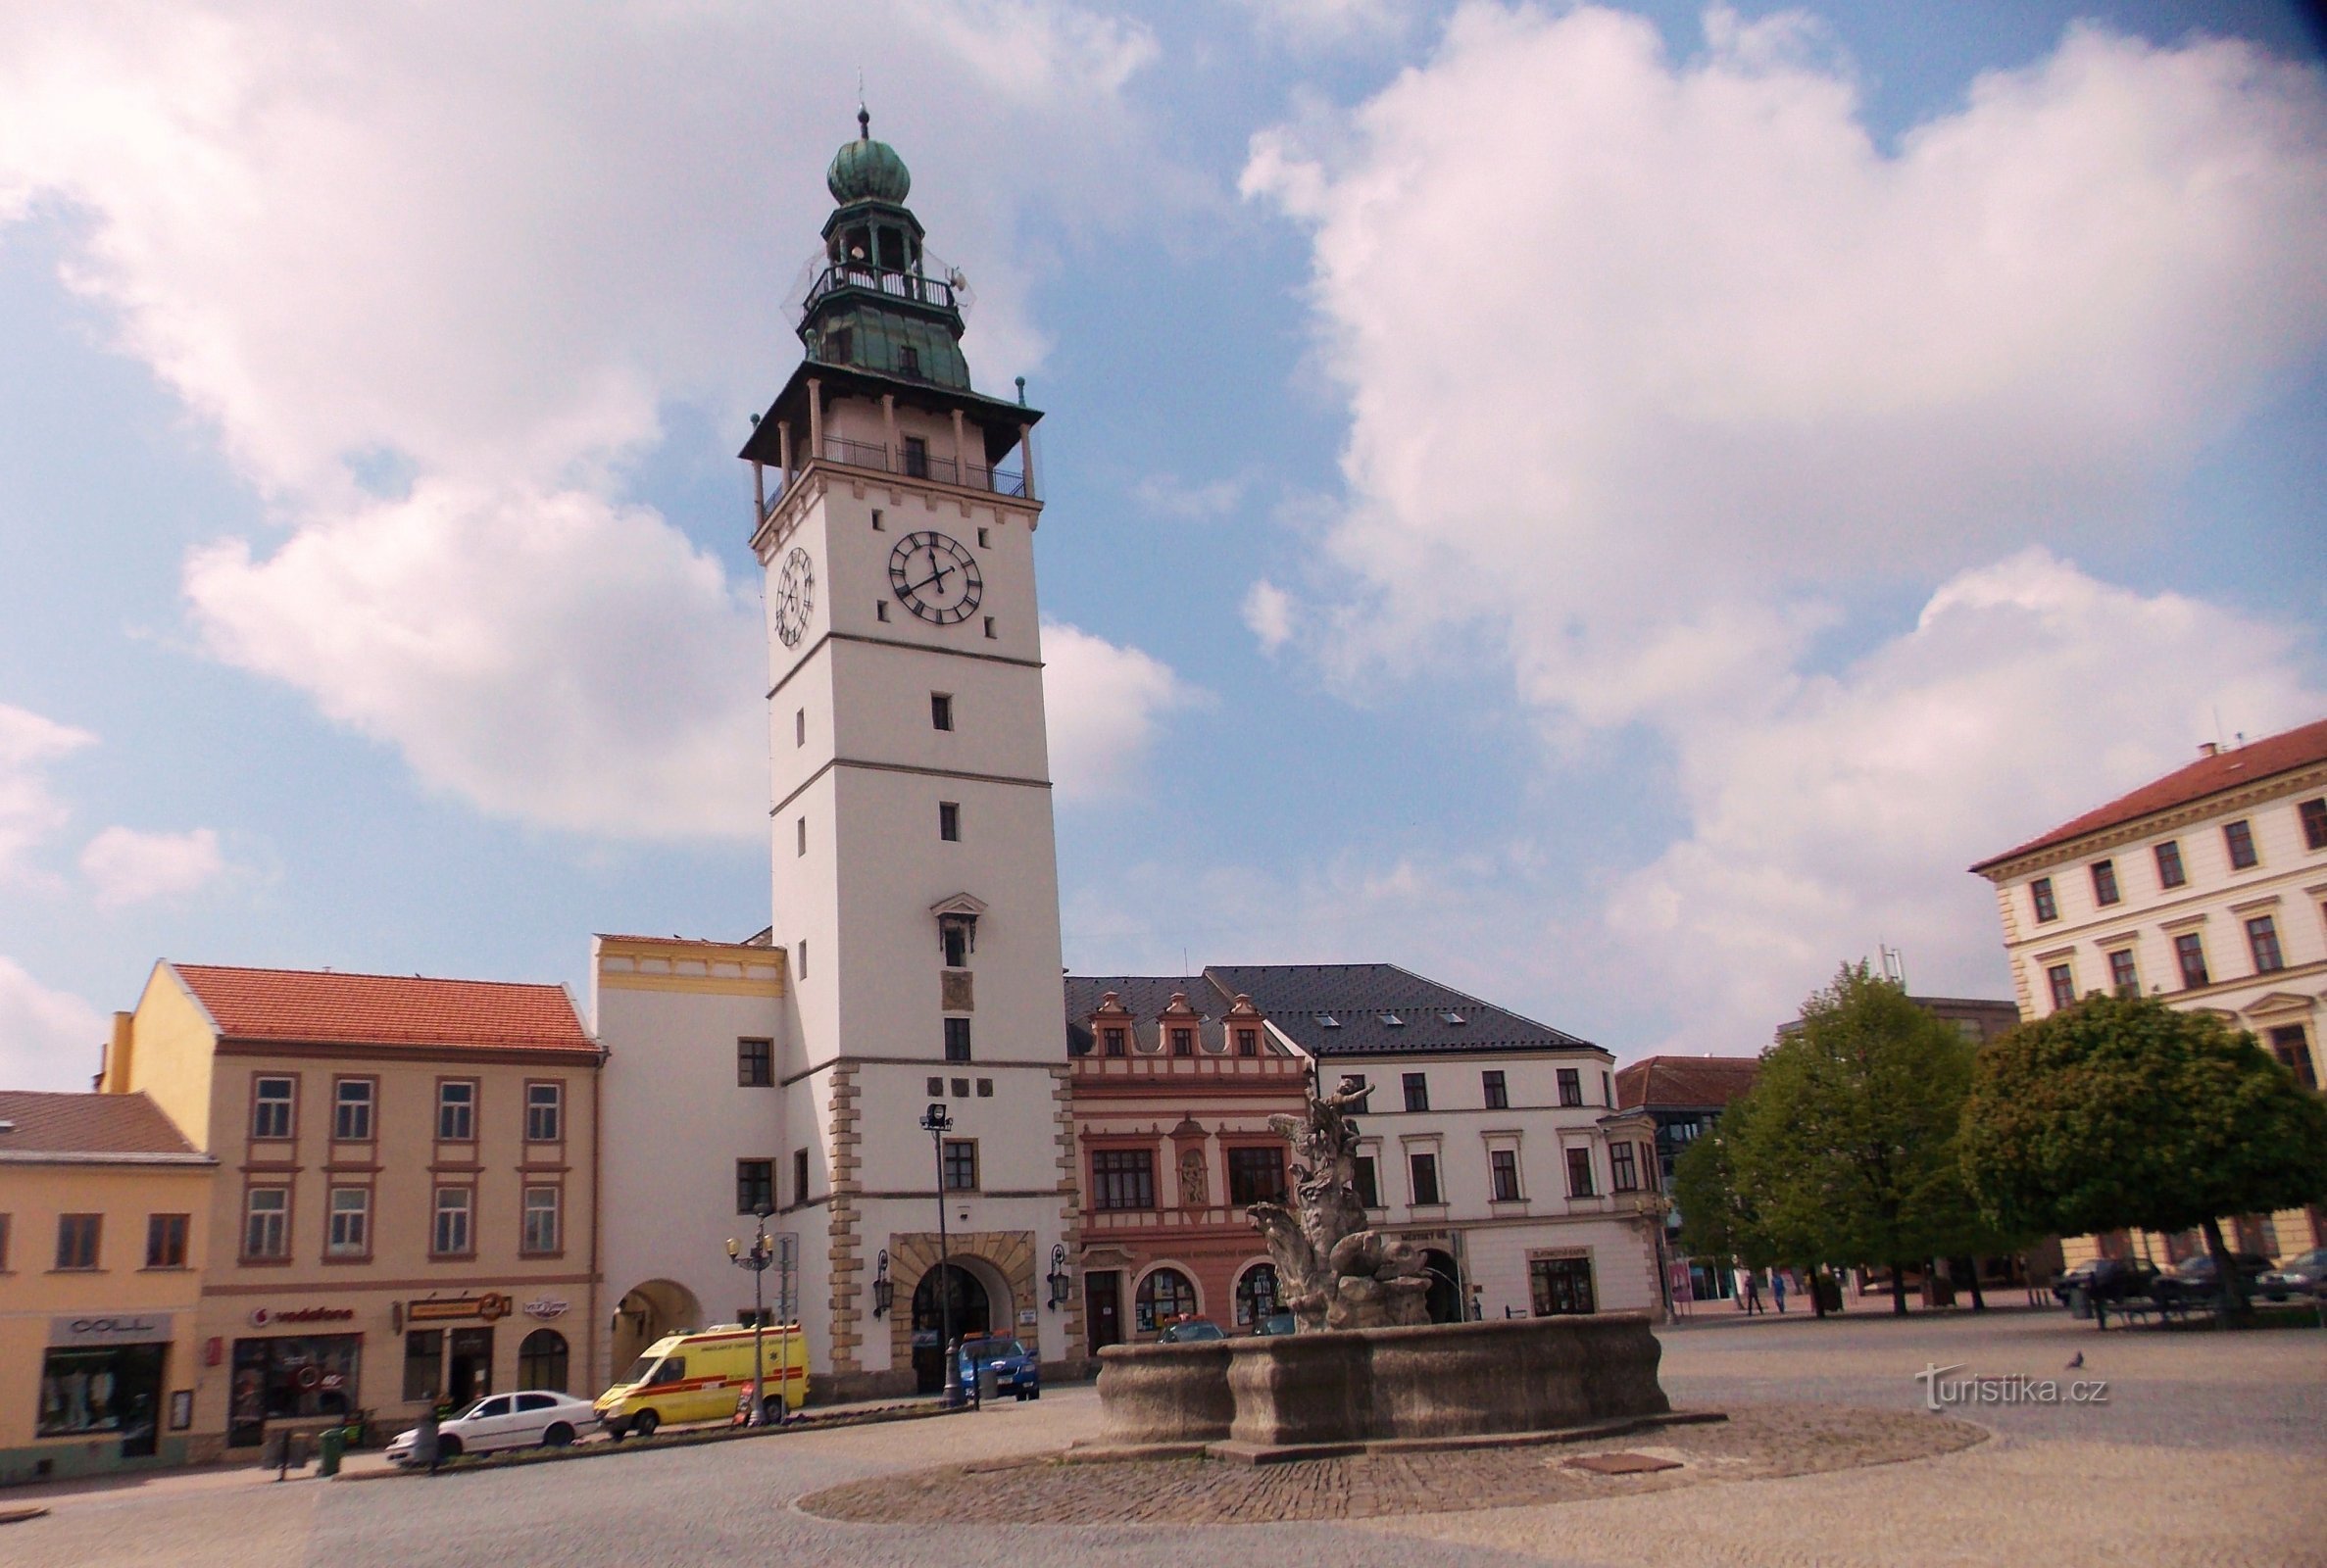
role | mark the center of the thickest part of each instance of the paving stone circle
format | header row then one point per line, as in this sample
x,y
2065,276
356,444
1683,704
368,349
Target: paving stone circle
x,y
1757,1443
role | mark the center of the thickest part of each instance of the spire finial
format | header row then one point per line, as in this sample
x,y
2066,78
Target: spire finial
x,y
863,115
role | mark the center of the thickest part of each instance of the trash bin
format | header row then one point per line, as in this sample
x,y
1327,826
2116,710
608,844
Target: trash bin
x,y
2080,1302
987,1385
328,1451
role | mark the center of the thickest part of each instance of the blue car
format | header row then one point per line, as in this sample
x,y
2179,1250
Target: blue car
x,y
1016,1371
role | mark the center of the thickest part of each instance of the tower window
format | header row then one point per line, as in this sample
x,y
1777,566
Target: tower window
x,y
880,610
798,1175
754,1063
838,345
983,543
908,361
949,821
941,710
917,450
803,957
989,625
800,727
955,936
802,828
876,523
957,1040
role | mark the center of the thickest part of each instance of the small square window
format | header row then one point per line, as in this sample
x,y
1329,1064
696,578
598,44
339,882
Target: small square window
x,y
2105,881
754,1063
1183,1042
1116,1036
960,1088
949,821
2239,839
880,610
936,1088
2040,895
2170,864
1248,1042
941,710
990,632
985,1088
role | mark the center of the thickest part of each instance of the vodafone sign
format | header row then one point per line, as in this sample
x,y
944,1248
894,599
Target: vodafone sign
x,y
262,1317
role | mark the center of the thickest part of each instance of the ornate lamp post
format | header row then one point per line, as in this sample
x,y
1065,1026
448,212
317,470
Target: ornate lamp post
x,y
1061,1283
937,1121
756,1258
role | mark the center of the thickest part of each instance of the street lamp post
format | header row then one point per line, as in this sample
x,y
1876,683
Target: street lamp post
x,y
757,1258
937,1122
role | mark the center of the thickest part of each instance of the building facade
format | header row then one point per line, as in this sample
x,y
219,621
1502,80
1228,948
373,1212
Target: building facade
x,y
407,1191
913,871
2206,887
105,1216
1683,1096
1173,1088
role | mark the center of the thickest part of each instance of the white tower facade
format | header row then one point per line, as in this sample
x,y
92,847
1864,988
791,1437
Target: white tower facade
x,y
914,870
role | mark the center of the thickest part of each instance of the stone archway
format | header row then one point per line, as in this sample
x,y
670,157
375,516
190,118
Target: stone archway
x,y
1444,1300
999,1264
970,1310
647,1314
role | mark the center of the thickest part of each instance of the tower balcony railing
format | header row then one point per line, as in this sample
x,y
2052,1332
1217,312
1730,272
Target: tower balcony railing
x,y
913,463
915,286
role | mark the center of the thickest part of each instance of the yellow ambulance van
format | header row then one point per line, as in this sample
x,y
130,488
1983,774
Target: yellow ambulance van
x,y
703,1377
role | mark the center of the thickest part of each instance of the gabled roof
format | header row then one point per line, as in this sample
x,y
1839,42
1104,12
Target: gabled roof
x,y
327,1007
36,1125
1363,998
2209,775
1699,1082
1144,996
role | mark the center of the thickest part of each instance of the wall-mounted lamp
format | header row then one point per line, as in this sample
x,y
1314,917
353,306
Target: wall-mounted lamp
x,y
1060,1281
883,1293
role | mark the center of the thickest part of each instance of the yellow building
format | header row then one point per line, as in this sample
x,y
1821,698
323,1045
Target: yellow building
x,y
410,1192
104,1226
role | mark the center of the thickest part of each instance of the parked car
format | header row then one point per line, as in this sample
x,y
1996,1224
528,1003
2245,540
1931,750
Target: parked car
x,y
531,1418
1276,1323
1017,1372
2192,1280
1190,1330
2297,1276
2105,1279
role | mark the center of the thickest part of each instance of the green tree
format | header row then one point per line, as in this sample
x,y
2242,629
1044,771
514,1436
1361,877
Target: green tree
x,y
1846,1146
2122,1112
1717,1219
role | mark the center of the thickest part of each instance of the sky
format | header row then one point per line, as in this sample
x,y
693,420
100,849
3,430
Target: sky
x,y
1612,508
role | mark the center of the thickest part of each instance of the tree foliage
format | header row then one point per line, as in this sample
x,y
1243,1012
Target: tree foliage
x,y
1717,1219
2121,1113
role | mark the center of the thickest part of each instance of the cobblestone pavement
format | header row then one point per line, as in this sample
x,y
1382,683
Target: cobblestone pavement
x,y
1763,1442
2212,1450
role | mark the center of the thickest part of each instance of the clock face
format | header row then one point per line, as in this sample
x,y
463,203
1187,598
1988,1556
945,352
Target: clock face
x,y
937,579
795,597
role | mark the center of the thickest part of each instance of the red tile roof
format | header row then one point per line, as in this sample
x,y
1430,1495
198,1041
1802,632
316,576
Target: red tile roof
x,y
325,1008
1654,1081
86,1124
2209,775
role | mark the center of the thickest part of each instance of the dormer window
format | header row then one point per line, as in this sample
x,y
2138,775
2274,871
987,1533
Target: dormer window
x,y
1326,1020
1392,1020
1453,1018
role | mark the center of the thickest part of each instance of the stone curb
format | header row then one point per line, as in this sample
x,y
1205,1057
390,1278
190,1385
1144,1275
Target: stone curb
x,y
697,1438
1285,1453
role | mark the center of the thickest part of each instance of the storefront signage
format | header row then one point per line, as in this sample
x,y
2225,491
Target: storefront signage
x,y
490,1306
545,1307
110,1328
265,1317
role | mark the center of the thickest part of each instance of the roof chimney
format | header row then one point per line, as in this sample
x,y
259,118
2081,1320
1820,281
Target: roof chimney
x,y
2208,749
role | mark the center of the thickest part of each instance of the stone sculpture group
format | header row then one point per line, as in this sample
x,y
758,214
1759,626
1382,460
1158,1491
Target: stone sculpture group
x,y
1332,1272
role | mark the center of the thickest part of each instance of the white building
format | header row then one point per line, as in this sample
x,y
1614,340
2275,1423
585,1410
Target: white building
x,y
915,878
2206,887
1491,1142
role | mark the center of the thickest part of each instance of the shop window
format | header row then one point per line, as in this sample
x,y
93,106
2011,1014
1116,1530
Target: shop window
x,y
1164,1297
424,1362
1560,1286
297,1377
1256,1294
543,1361
103,1390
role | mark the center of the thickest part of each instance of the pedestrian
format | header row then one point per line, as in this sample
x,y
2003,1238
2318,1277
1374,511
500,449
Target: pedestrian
x,y
1777,1288
426,1447
1754,1293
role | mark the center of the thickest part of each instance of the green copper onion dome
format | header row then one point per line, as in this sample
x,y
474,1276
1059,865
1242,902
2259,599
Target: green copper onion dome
x,y
865,170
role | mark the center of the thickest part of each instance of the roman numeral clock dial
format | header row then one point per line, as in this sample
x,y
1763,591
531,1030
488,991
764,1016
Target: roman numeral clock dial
x,y
795,597
935,578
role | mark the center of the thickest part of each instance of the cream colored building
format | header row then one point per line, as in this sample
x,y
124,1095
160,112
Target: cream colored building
x,y
406,1196
2206,887
105,1216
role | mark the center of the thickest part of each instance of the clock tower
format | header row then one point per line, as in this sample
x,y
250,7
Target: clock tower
x,y
913,867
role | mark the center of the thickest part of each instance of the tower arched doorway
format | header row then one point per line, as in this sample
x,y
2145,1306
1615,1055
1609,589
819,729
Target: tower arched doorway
x,y
973,1313
1444,1300
648,1313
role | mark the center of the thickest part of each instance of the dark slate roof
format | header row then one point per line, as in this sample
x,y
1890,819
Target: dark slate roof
x,y
1146,996
1696,1083
36,1125
1363,997
2211,774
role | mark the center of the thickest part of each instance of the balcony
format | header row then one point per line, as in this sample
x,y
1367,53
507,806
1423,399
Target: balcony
x,y
911,463
914,286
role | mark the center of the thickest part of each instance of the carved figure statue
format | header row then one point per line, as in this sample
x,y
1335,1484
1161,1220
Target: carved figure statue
x,y
1331,1271
1193,1188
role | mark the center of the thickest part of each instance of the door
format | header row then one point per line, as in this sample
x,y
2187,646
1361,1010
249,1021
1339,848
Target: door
x,y
469,1369
1103,1297
968,1317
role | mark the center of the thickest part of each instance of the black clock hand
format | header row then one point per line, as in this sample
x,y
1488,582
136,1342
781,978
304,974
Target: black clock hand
x,y
937,577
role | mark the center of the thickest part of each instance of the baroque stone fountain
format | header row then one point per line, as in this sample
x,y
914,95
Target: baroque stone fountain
x,y
1365,1368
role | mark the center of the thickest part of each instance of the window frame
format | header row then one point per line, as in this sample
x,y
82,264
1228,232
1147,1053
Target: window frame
x,y
282,1216
1579,1163
2105,891
1128,1173
367,1103
1572,1087
1623,1166
957,1043
1115,1040
528,1245
941,710
2237,842
439,1210
75,1228
2043,902
1365,1179
949,821
755,1177
2172,872
473,1106
555,1105
289,1103
955,1154
1248,1042
361,1250
1243,1160
2311,817
801,1176
1495,1089
1415,1088
2061,984
2190,946
754,1061
2124,972
2294,1055
1421,1163
1504,1163
2262,942
161,1231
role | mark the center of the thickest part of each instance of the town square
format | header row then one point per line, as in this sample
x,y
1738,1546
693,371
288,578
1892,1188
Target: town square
x,y
1401,782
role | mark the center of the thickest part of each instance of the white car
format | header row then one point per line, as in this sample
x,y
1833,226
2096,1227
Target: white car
x,y
524,1420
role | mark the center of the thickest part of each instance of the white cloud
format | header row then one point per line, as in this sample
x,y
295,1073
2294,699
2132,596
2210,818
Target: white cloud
x,y
1105,702
1699,355
1269,614
547,655
128,866
28,810
1840,813
488,247
1331,21
48,1039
